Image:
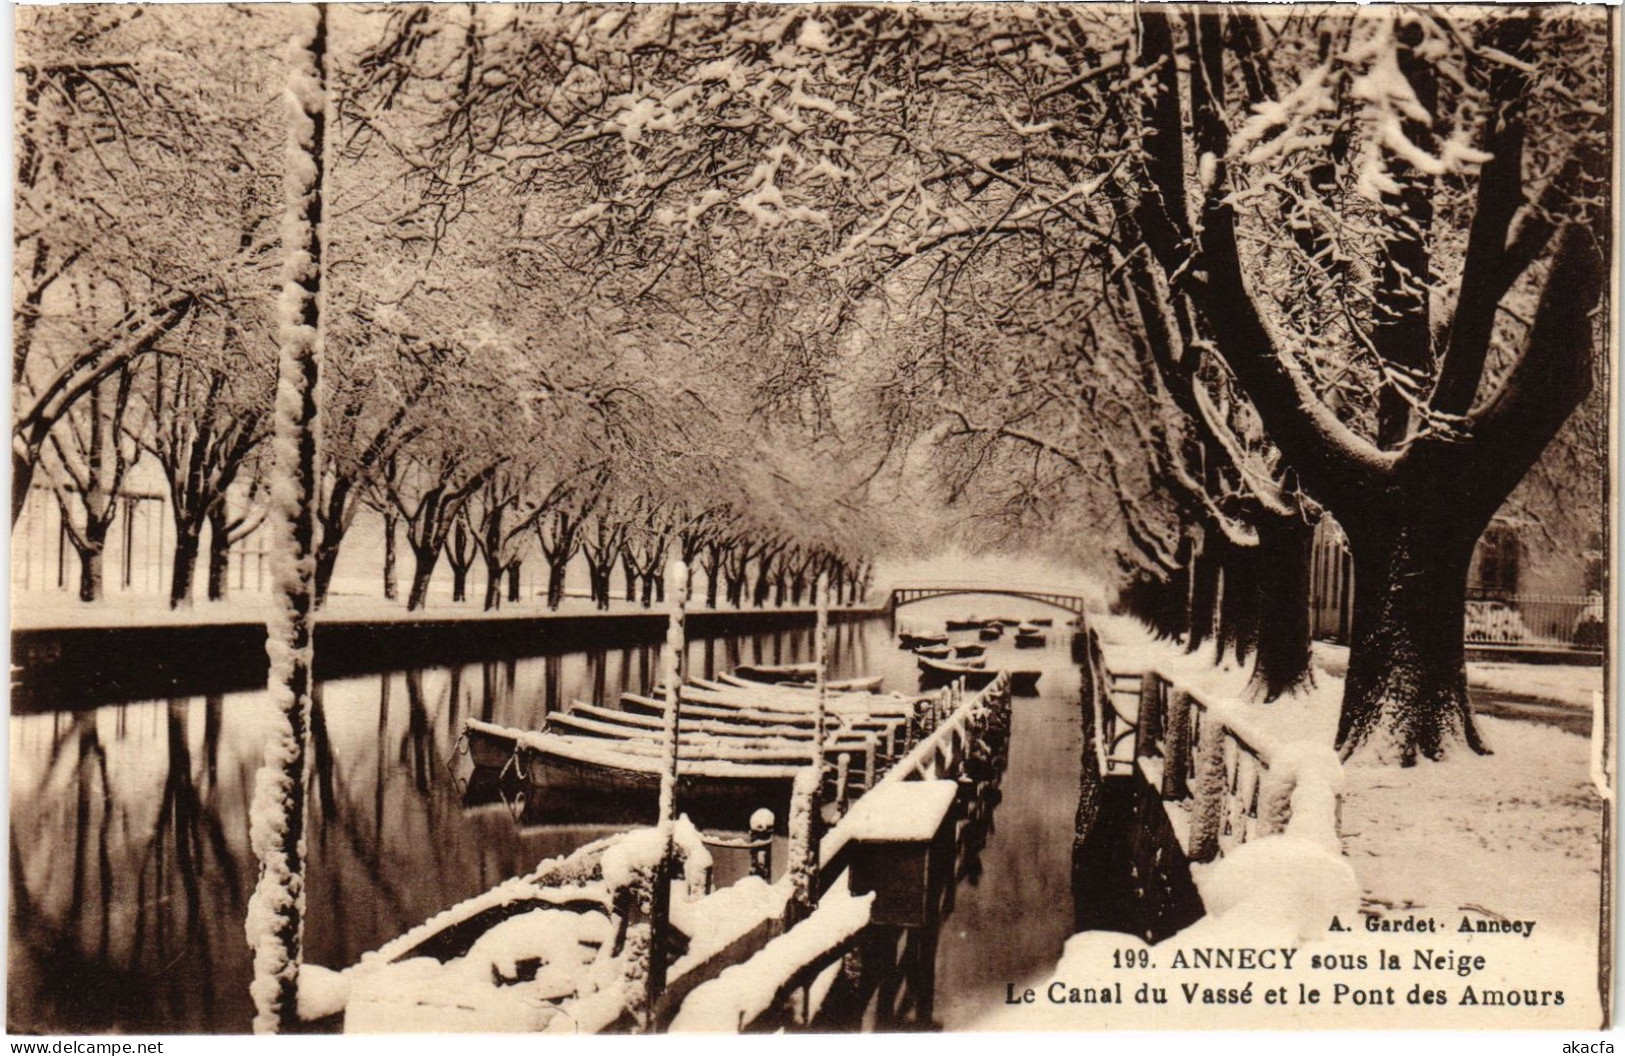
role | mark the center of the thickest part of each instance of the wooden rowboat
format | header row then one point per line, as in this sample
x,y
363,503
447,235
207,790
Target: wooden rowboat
x,y
1024,683
967,652
1030,639
935,652
943,672
560,763
777,698
991,632
914,641
591,718
746,748
866,684
972,624
696,708
772,674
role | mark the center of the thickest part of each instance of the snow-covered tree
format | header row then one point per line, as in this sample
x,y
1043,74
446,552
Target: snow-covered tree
x,y
275,925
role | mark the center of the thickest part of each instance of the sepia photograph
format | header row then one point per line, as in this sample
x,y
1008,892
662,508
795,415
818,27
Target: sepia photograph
x,y
786,518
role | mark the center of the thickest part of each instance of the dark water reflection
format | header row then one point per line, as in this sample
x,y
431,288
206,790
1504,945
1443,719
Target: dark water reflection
x,y
130,865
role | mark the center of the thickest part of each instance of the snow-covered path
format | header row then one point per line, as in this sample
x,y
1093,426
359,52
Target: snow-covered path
x,y
1517,833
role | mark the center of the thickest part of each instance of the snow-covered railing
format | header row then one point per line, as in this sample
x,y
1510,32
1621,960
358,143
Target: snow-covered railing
x,y
600,897
787,982
1110,728
1241,781
958,721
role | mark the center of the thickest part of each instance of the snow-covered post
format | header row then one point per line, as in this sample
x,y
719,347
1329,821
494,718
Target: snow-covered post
x,y
761,840
275,925
672,672
1208,795
804,842
1148,736
821,673
671,659
1178,753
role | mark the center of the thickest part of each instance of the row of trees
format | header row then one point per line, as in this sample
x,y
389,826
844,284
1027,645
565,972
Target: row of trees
x,y
1171,285
1206,275
476,396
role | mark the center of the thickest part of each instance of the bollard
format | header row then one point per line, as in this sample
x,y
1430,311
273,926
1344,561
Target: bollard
x,y
1174,785
1207,808
1148,725
761,833
843,770
1274,803
805,797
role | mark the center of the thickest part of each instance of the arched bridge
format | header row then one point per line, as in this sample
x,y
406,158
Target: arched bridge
x,y
908,594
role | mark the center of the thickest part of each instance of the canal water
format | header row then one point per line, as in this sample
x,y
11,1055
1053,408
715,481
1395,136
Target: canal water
x,y
131,870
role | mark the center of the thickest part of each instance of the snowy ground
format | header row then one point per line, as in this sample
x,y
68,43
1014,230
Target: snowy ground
x,y
1513,836
1570,684
1517,833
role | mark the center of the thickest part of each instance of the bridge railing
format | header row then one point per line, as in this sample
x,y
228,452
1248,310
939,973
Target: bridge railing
x,y
1239,781
905,594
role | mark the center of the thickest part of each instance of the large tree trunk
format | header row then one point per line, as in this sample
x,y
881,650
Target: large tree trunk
x,y
1239,601
1203,606
327,559
391,587
513,581
711,579
219,553
90,572
1406,692
493,584
764,582
22,476
183,569
1282,662
276,911
555,582
629,569
422,572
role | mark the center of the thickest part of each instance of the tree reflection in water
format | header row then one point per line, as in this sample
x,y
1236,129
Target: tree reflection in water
x,y
129,826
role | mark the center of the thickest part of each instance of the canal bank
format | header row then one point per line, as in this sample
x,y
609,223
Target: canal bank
x,y
69,666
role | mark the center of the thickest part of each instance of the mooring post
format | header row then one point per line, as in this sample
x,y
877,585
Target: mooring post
x,y
1207,810
804,801
1174,784
761,838
1148,726
672,672
821,671
843,771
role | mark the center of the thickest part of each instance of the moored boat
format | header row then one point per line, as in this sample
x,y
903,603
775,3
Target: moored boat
x,y
943,672
558,761
971,624
991,632
1024,683
861,684
935,652
968,652
914,641
772,674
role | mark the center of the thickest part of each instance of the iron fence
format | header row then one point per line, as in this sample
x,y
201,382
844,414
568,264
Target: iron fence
x,y
1577,621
